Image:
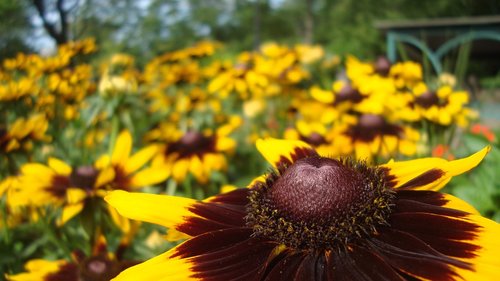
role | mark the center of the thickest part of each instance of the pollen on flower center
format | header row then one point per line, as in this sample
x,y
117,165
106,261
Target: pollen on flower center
x,y
319,203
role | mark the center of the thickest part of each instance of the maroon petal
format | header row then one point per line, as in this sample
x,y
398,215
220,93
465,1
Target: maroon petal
x,y
235,197
312,267
285,267
411,255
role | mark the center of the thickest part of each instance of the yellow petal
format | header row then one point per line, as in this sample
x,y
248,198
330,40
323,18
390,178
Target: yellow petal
x,y
322,95
105,176
140,158
225,144
180,169
485,262
75,195
283,152
227,188
102,162
37,170
59,166
69,212
45,265
174,235
149,176
460,166
122,149
165,210
120,221
161,267
458,204
430,173
37,270
196,168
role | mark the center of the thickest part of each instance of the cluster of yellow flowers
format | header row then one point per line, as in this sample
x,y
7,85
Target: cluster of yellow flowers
x,y
197,104
192,114
379,109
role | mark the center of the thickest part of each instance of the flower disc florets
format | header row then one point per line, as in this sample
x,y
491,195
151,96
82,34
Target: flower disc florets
x,y
319,203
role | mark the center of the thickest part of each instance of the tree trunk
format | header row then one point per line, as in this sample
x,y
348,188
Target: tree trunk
x,y
309,23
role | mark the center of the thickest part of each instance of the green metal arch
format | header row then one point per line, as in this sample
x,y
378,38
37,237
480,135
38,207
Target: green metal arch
x,y
466,37
393,37
436,56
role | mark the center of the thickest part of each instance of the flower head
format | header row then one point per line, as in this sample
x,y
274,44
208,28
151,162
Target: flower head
x,y
101,265
319,218
60,184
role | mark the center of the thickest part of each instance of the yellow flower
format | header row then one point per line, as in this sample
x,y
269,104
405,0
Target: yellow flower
x,y
406,74
23,132
317,218
60,184
443,106
194,152
100,265
309,53
370,135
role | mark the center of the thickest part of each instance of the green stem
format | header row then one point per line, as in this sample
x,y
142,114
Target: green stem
x,y
53,233
171,187
11,163
188,187
5,228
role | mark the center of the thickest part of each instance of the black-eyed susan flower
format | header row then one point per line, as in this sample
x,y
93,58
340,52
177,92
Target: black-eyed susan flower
x,y
193,152
319,218
21,134
369,135
315,134
60,184
443,106
101,265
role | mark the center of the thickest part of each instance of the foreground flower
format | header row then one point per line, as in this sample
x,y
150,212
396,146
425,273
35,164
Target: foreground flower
x,y
317,218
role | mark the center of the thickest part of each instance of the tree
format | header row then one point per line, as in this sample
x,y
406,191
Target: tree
x,y
15,28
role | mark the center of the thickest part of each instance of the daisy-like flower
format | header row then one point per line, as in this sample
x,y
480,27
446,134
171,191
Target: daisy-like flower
x,y
101,265
70,187
313,133
444,106
318,218
193,152
371,135
22,133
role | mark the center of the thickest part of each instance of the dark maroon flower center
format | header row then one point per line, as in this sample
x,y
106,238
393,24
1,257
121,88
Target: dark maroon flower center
x,y
314,139
371,125
320,202
348,93
382,66
98,268
427,99
371,122
192,143
317,189
83,177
